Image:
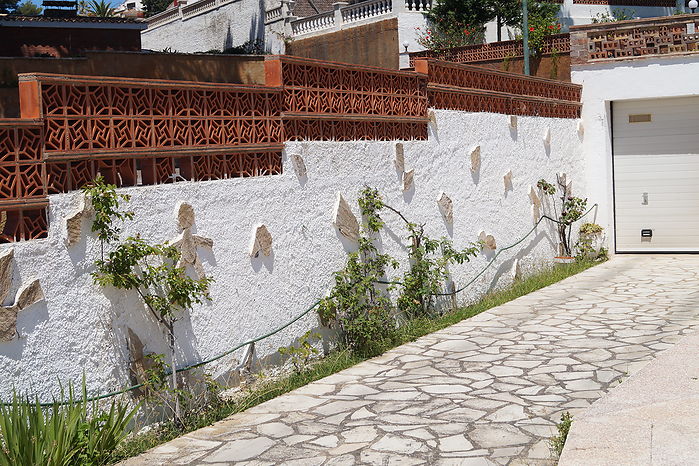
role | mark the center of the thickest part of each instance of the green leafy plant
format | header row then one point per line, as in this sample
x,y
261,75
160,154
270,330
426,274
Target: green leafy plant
x,y
542,22
69,431
569,210
588,235
148,269
475,12
362,311
106,202
555,58
429,270
100,8
559,441
449,34
357,307
27,8
153,7
301,355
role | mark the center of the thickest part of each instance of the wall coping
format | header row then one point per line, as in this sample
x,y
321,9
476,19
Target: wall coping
x,y
635,23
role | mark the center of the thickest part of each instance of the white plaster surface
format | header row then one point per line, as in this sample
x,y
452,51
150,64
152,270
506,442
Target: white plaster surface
x,y
81,327
229,25
603,83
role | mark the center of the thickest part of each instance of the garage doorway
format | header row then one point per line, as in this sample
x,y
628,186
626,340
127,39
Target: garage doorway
x,y
656,174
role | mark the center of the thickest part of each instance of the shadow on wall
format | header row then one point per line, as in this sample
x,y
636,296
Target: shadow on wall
x,y
27,321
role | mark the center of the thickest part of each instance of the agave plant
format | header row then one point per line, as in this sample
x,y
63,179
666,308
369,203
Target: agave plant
x,y
68,431
100,8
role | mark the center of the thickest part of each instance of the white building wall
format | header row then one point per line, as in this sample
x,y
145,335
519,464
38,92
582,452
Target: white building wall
x,y
81,327
229,25
603,83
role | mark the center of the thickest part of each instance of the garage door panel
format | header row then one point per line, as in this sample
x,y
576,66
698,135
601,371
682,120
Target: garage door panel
x,y
659,157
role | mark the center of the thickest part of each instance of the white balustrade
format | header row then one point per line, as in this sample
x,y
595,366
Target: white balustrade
x,y
164,17
366,10
273,14
313,23
418,5
197,8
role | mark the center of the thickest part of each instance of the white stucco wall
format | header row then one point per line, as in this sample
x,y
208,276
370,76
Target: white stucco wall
x,y
229,25
81,327
633,79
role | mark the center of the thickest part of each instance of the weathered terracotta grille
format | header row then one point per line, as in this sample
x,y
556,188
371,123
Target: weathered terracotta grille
x,y
558,43
337,101
143,132
455,86
638,42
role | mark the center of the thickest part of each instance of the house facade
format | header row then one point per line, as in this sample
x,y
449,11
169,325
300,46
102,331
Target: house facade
x,y
219,24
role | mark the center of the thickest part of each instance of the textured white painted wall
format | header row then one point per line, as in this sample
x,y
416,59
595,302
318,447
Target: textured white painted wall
x,y
603,83
229,25
81,327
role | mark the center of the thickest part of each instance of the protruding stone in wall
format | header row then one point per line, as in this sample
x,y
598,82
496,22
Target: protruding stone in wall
x,y
432,117
581,128
6,273
516,271
487,241
8,322
475,159
507,179
29,295
547,137
399,160
408,179
534,197
139,363
344,219
446,207
187,242
75,220
513,121
261,242
26,296
299,165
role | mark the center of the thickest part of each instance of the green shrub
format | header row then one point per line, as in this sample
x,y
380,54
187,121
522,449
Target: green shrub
x,y
559,441
357,306
301,355
68,432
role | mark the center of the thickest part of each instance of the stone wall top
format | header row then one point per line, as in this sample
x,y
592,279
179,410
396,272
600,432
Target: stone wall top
x,y
624,40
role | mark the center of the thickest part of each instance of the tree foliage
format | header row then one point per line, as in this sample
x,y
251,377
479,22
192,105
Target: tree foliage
x,y
27,8
100,9
153,7
150,270
6,6
446,14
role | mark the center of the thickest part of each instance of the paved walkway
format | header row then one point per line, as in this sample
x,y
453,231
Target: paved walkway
x,y
650,419
485,391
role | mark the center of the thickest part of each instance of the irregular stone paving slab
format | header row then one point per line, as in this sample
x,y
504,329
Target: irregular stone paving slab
x,y
486,391
652,418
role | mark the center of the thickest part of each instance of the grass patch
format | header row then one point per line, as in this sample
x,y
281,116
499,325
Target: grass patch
x,y
339,360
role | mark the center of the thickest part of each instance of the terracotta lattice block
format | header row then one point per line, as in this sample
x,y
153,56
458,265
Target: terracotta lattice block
x,y
342,102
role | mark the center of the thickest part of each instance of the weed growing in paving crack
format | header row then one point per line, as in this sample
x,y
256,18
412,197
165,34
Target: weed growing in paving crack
x,y
559,441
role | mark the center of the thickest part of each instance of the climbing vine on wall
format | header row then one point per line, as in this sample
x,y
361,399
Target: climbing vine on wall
x,y
359,305
150,270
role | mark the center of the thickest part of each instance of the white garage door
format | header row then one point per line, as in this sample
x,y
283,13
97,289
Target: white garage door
x,y
656,174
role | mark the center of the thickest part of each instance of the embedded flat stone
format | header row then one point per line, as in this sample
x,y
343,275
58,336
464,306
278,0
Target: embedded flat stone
x,y
240,450
394,443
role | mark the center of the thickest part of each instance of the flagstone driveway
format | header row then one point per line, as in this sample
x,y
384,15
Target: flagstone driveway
x,y
488,390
